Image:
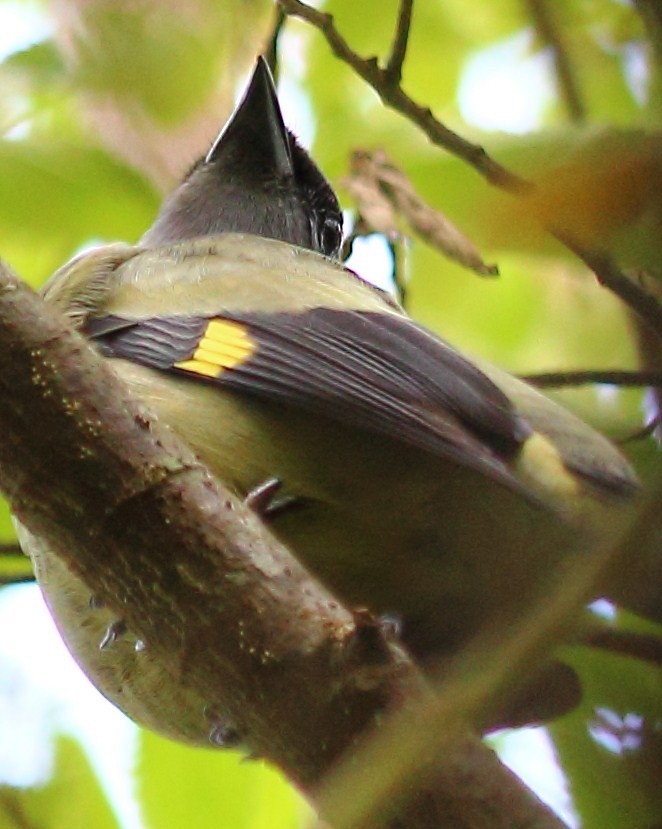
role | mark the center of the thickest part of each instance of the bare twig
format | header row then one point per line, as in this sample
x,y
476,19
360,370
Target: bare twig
x,y
651,14
394,96
271,52
400,41
608,377
13,808
359,230
19,569
396,245
608,274
543,20
615,377
16,578
644,646
647,430
400,275
397,99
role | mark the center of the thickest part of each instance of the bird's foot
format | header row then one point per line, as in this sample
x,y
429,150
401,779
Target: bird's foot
x,y
264,499
222,732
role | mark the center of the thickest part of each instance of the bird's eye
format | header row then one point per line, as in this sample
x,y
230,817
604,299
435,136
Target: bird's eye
x,y
329,235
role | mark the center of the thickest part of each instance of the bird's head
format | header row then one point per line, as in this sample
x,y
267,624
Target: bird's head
x,y
257,179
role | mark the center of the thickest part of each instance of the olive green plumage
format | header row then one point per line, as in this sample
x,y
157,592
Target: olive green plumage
x,y
452,543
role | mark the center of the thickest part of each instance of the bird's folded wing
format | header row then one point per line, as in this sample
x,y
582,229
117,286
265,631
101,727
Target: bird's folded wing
x,y
376,372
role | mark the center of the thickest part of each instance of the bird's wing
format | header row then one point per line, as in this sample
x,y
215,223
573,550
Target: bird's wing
x,y
374,371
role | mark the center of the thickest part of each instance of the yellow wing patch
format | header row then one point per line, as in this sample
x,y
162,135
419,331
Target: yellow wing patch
x,y
542,468
224,345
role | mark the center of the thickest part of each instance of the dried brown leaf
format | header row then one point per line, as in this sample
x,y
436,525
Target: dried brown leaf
x,y
383,193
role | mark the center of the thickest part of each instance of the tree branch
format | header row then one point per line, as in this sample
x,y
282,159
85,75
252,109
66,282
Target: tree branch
x,y
194,573
650,12
15,567
645,305
611,377
16,578
548,31
397,99
271,52
599,262
104,482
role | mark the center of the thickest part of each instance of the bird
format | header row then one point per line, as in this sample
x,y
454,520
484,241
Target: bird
x,y
411,480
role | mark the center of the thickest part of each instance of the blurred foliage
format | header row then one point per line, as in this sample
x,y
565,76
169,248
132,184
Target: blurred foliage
x,y
71,799
74,185
219,789
125,45
63,185
611,744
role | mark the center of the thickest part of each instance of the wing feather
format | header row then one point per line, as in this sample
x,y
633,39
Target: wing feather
x,y
374,371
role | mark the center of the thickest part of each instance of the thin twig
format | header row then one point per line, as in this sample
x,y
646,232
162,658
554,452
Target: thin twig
x,y
397,249
396,246
644,646
11,550
650,12
616,377
397,99
647,430
549,33
400,41
271,52
14,809
608,274
16,578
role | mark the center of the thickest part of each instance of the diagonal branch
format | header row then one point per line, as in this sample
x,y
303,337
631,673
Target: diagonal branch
x,y
198,578
15,567
608,274
271,52
644,304
104,482
397,99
